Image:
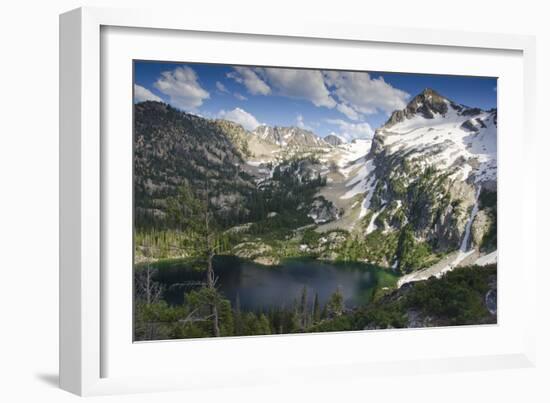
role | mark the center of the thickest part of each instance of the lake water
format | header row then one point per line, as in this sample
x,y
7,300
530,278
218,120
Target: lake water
x,y
261,287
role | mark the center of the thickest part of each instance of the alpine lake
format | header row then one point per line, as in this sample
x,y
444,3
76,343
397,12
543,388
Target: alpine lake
x,y
260,288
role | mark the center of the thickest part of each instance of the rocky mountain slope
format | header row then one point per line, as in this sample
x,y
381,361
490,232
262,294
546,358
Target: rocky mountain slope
x,y
334,140
427,169
423,190
173,149
292,137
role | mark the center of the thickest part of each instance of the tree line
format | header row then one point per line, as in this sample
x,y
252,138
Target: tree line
x,y
155,319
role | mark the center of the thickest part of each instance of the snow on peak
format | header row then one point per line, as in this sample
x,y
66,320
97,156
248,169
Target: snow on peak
x,y
433,130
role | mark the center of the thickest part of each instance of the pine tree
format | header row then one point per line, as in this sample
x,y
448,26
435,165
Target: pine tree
x,y
316,309
335,305
263,325
324,312
238,320
193,214
303,309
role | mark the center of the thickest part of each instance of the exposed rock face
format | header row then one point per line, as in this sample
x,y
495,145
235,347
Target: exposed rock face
x,y
473,125
426,104
333,140
289,136
237,134
431,158
480,226
435,207
446,231
323,211
258,252
299,171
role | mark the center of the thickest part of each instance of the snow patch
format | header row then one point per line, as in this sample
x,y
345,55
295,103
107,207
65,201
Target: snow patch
x,y
361,182
445,143
372,226
490,258
351,152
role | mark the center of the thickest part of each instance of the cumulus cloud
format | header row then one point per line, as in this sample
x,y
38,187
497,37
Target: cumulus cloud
x,y
293,83
348,111
248,77
142,94
240,97
358,93
354,94
240,116
350,131
221,87
300,84
182,87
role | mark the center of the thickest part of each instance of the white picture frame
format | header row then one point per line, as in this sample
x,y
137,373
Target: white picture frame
x,y
85,345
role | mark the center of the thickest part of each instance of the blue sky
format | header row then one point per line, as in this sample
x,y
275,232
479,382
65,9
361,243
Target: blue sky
x,y
350,104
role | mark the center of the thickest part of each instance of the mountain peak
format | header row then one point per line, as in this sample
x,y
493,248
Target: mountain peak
x,y
427,100
334,140
426,104
426,92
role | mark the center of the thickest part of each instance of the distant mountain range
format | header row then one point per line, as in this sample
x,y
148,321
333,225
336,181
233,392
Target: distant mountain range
x,y
289,136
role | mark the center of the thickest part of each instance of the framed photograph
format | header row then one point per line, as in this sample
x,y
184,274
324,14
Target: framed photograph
x,y
242,202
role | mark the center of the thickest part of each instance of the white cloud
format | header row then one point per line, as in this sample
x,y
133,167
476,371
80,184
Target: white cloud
x,y
240,116
142,94
293,83
183,88
240,97
348,111
300,84
248,77
301,124
360,93
221,87
350,131
354,94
